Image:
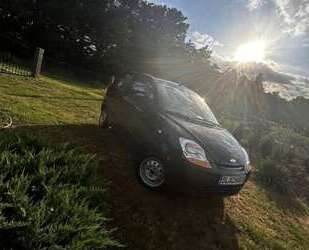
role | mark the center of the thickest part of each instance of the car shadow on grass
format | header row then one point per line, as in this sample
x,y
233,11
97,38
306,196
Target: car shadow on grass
x,y
144,219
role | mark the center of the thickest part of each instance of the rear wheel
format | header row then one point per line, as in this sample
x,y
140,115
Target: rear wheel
x,y
151,173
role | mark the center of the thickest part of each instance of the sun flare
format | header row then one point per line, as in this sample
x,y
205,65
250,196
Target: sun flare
x,y
251,52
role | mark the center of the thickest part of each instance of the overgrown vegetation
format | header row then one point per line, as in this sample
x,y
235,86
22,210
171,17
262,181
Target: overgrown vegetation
x,y
48,198
280,160
274,177
282,155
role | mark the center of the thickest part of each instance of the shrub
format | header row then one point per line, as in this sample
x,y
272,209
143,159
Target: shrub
x,y
274,176
46,197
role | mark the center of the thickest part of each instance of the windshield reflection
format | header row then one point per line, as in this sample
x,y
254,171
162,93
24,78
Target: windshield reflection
x,y
181,101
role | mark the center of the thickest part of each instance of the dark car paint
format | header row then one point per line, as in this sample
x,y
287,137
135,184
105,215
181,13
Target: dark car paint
x,y
139,120
219,144
156,133
183,175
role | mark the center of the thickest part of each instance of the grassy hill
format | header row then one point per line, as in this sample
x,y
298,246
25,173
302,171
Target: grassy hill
x,y
50,100
64,111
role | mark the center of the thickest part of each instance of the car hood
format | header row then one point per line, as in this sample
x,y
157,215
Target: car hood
x,y
220,146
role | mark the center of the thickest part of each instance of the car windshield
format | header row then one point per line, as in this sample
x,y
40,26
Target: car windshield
x,y
182,101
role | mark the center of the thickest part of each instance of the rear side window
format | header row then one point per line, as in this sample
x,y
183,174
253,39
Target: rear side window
x,y
141,89
136,88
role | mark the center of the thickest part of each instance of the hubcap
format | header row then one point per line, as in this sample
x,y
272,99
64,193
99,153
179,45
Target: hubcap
x,y
151,172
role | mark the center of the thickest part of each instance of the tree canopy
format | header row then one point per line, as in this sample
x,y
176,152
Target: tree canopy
x,y
102,35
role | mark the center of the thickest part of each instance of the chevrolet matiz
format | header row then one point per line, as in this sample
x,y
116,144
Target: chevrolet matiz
x,y
180,142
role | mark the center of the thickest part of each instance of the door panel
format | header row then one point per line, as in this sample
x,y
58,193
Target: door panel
x,y
140,115
116,104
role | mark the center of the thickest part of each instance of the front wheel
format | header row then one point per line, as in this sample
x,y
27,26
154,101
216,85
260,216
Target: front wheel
x,y
151,173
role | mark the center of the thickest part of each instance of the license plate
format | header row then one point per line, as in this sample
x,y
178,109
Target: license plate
x,y
232,180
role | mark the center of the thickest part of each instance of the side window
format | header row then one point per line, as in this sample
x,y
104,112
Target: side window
x,y
143,90
135,88
139,89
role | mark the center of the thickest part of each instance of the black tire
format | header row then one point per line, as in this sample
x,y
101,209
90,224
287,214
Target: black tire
x,y
151,173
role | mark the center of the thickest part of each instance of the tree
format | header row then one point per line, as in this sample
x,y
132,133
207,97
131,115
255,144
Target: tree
x,y
101,35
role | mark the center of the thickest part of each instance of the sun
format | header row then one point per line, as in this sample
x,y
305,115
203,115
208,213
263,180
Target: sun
x,y
251,52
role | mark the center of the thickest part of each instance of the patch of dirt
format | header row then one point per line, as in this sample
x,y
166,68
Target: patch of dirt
x,y
148,220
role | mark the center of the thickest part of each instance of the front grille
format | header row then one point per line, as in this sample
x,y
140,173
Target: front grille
x,y
240,167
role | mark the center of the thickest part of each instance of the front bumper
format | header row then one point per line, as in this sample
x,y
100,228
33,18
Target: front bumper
x,y
196,180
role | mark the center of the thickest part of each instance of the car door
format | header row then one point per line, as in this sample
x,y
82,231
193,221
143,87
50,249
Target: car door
x,y
139,101
117,103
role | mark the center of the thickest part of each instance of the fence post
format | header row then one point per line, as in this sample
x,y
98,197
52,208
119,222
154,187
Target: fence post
x,y
38,60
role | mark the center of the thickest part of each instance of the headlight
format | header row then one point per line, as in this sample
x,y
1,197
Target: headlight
x,y
194,153
246,156
248,166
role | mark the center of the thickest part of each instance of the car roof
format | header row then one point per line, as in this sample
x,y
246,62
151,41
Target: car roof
x,y
157,80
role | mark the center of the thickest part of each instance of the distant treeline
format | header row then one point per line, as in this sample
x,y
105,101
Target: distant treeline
x,y
247,100
106,36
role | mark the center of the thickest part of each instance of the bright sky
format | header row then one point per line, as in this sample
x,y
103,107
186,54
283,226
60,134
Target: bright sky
x,y
281,25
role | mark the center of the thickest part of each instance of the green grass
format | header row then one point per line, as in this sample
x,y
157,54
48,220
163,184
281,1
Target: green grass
x,y
49,101
261,222
265,225
49,199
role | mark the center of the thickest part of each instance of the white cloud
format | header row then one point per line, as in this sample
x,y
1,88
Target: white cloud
x,y
295,14
255,4
299,86
200,40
